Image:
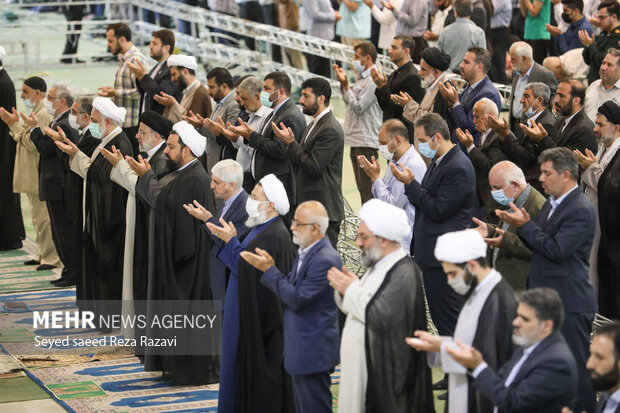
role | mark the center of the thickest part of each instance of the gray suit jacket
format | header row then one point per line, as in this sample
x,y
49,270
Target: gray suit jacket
x,y
538,74
320,18
228,111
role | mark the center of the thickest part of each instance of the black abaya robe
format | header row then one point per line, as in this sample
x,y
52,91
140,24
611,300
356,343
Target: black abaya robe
x,y
181,265
609,247
399,379
11,220
104,234
261,383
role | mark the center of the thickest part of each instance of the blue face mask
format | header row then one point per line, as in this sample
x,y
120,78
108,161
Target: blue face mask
x,y
94,130
264,98
357,65
426,150
500,196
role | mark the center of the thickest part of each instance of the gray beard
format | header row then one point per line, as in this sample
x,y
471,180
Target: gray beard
x,y
372,256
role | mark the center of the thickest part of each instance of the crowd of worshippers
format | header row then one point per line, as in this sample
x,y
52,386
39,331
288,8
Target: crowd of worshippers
x,y
150,192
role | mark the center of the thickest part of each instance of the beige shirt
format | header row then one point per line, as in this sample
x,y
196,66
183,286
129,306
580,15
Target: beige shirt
x,y
26,171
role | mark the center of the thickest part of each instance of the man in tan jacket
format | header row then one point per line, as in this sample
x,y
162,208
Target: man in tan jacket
x,y
26,173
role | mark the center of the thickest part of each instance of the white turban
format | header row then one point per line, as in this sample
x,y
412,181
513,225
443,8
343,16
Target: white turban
x,y
385,220
2,53
460,246
190,137
275,193
183,61
108,109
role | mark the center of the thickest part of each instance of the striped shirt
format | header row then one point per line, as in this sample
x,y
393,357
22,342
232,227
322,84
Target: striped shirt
x,y
126,92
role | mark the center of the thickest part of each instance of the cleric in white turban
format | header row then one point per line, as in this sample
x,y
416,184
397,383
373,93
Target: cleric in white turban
x,y
108,109
274,189
180,60
190,137
382,307
460,246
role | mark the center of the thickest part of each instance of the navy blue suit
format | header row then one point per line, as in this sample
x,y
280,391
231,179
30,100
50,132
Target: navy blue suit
x,y
560,260
546,382
217,269
462,116
311,335
444,202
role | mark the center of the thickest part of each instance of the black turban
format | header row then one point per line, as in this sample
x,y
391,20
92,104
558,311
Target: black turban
x,y
36,83
611,111
156,122
436,58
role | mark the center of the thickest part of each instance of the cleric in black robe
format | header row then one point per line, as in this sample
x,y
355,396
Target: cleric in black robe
x,y
11,222
181,249
485,321
252,375
608,200
379,373
104,211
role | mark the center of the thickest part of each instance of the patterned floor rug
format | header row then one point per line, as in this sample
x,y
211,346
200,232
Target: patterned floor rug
x,y
16,277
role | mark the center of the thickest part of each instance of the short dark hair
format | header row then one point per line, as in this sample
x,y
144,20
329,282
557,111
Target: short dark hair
x,y
395,127
280,81
120,30
540,90
611,330
562,159
86,104
612,51
547,304
222,76
577,90
407,42
464,8
482,261
574,4
433,123
367,49
319,87
166,36
612,8
481,56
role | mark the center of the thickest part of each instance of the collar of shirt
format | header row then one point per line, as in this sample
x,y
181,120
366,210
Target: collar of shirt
x,y
485,135
403,67
602,86
325,112
157,68
58,117
128,53
493,275
580,22
196,83
615,397
528,350
187,164
154,149
304,251
366,72
527,74
533,118
280,104
230,200
261,112
408,154
556,202
475,85
442,156
567,120
224,99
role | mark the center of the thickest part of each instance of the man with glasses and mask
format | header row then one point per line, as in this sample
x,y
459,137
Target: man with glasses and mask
x,y
311,333
541,375
378,372
252,371
484,322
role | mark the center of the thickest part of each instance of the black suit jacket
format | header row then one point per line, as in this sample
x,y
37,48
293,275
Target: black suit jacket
x,y
403,79
317,160
271,153
52,171
561,251
444,202
538,74
578,134
546,382
524,152
149,87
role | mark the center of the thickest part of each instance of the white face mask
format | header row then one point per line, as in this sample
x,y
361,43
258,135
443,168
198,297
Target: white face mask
x,y
385,152
458,283
49,106
252,208
73,122
427,80
29,103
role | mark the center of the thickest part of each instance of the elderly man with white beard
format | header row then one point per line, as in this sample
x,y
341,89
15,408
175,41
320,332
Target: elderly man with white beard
x,y
378,372
252,372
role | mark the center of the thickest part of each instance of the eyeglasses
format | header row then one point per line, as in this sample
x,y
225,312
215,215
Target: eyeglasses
x,y
603,17
144,133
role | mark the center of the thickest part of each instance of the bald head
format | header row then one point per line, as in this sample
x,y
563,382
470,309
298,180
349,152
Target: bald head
x,y
554,64
309,223
509,177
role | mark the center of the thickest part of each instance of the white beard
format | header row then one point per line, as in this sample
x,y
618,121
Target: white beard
x,y
256,221
427,81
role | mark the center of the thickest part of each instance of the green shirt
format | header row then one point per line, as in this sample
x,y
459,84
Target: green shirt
x,y
535,26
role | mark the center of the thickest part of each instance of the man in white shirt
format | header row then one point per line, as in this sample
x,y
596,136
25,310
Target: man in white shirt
x,y
607,87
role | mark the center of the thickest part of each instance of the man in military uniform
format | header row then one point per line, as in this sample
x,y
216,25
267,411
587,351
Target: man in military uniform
x,y
595,49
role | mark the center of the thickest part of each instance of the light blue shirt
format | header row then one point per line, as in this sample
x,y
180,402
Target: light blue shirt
x,y
392,191
229,202
556,202
517,106
303,252
502,13
612,403
355,24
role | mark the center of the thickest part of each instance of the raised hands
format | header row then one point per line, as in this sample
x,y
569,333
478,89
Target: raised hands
x,y
517,218
67,147
9,117
401,99
340,280
194,119
107,91
164,99
424,341
585,160
30,120
114,156
226,232
371,168
198,211
261,260
537,132
464,137
449,93
283,133
403,174
500,127
140,167
137,69
243,129
342,77
379,78
58,136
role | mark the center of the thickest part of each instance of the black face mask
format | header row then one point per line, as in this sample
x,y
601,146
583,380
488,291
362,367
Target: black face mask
x,y
566,18
608,380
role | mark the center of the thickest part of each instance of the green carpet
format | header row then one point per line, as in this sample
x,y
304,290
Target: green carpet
x,y
18,389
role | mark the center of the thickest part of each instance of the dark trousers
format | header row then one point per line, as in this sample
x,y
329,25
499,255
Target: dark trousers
x,y
66,239
312,392
72,13
364,184
131,133
443,302
250,10
333,230
540,48
318,65
500,38
576,330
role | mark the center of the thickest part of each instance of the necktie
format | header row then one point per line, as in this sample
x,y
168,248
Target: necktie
x,y
465,95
